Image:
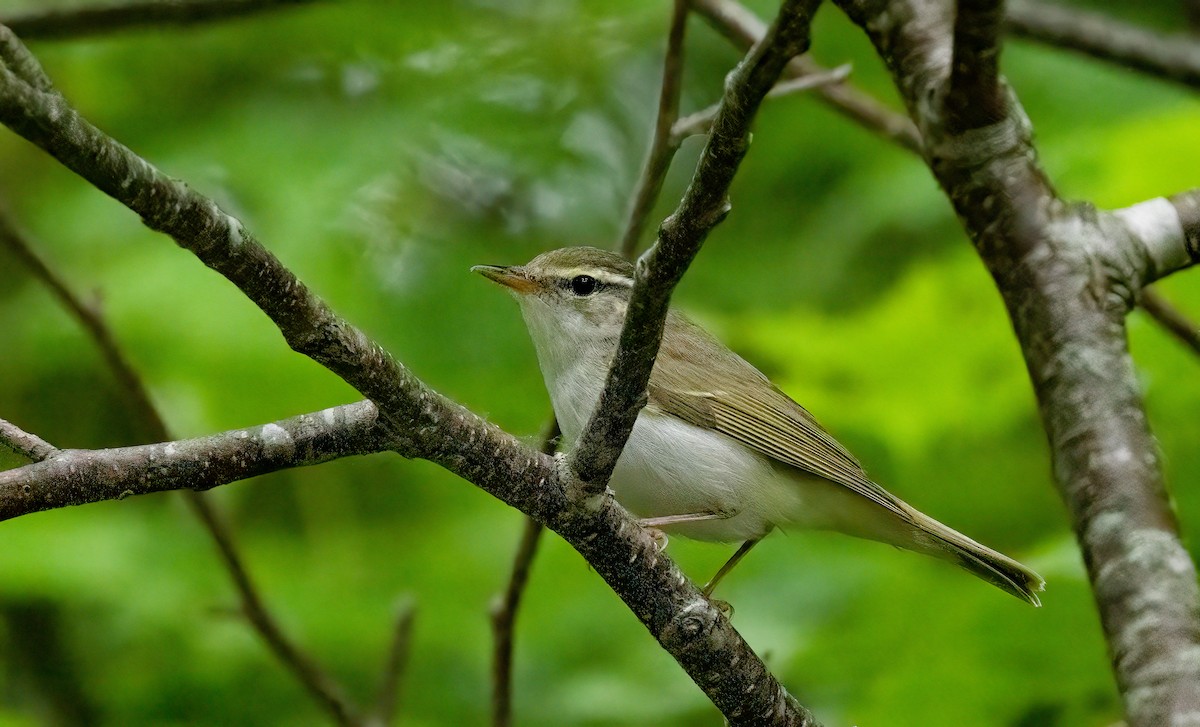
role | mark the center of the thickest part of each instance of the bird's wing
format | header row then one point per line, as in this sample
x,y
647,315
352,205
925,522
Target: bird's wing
x,y
758,415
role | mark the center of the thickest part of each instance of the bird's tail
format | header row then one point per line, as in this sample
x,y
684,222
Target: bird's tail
x,y
993,567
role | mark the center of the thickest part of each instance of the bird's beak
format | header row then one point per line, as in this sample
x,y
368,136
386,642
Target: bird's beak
x,y
510,276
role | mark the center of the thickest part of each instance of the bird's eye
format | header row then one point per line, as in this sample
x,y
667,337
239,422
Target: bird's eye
x,y
582,285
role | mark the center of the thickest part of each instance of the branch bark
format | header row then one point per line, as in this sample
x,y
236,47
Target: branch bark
x,y
98,19
1069,275
1172,319
705,203
743,28
79,476
1171,57
419,422
664,143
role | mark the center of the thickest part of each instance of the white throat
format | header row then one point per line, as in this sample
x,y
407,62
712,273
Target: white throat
x,y
574,355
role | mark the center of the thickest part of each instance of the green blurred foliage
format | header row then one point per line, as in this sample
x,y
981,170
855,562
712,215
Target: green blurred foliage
x,y
380,149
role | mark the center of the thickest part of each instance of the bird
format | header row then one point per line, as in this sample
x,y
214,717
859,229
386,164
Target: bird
x,y
718,453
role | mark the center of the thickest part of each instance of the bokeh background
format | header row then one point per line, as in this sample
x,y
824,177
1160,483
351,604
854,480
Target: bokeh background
x,y
382,148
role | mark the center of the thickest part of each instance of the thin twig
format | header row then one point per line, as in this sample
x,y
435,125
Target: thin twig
x,y
97,19
387,701
320,685
504,612
29,445
323,688
705,203
664,144
1173,57
505,605
701,121
89,317
1171,318
743,28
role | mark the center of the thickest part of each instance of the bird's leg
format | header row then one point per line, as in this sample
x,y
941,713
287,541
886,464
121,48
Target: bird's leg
x,y
729,564
654,525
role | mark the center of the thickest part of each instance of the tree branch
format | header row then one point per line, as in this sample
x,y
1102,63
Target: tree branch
x,y
23,443
420,422
1171,318
80,476
701,121
705,203
324,689
79,22
974,97
505,605
1172,57
388,700
664,144
743,28
1069,275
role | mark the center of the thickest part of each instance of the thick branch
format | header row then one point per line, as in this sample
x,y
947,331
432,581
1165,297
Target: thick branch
x,y
705,203
422,423
743,28
1173,57
77,22
1069,275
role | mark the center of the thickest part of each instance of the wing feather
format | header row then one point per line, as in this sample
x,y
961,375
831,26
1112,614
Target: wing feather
x,y
759,415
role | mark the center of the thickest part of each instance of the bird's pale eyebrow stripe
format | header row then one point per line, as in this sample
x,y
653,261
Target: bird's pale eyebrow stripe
x,y
604,276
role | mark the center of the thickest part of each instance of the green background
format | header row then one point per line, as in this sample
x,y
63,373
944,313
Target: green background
x,y
380,149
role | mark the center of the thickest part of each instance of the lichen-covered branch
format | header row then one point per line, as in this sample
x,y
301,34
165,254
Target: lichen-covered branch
x,y
77,476
1069,274
419,422
705,203
100,18
1173,57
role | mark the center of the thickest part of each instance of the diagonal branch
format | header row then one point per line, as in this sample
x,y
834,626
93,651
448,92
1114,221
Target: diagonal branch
x,y
1173,57
419,421
701,121
743,28
25,444
1171,318
705,203
664,144
80,22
